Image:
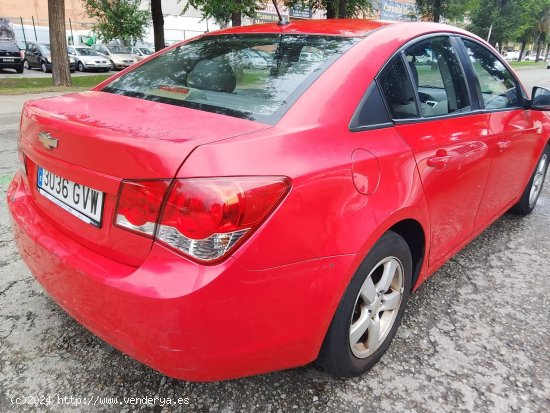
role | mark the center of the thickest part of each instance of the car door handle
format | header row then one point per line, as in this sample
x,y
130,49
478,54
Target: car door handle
x,y
439,161
503,145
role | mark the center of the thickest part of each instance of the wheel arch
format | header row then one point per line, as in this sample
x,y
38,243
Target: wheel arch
x,y
414,235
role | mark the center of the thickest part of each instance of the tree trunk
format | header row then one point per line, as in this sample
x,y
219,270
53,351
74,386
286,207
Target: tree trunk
x,y
58,43
158,24
523,43
342,9
547,52
331,11
539,47
436,11
236,18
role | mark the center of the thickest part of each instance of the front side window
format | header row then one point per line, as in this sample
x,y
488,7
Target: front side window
x,y
498,87
229,74
438,77
398,90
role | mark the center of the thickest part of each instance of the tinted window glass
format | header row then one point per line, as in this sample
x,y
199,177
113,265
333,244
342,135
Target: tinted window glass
x,y
8,47
372,111
84,51
438,77
498,87
397,88
225,74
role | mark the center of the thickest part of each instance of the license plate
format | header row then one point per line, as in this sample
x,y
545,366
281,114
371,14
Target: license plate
x,y
9,60
81,201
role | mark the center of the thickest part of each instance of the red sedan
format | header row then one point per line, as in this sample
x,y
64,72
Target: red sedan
x,y
216,217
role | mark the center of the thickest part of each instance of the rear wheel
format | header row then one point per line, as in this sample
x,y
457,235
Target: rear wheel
x,y
20,69
532,192
370,311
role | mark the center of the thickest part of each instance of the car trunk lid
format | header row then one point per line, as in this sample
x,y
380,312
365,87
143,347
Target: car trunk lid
x,y
98,140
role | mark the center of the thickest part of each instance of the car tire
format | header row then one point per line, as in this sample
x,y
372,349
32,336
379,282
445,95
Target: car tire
x,y
80,67
531,194
26,65
361,314
112,65
20,69
44,67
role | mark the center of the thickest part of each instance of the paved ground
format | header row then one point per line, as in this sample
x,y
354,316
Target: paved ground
x,y
35,73
476,338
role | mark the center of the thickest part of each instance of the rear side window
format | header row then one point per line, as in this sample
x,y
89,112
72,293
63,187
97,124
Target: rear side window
x,y
398,90
498,87
254,77
438,77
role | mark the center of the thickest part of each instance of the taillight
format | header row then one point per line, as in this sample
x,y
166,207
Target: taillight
x,y
139,203
205,218
22,158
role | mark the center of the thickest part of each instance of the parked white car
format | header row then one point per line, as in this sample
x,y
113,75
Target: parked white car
x,y
87,58
141,52
119,56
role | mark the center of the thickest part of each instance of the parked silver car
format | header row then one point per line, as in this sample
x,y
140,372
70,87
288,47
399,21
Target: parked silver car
x,y
141,52
119,56
87,58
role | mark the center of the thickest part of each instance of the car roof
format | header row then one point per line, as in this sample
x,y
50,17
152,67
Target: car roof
x,y
334,27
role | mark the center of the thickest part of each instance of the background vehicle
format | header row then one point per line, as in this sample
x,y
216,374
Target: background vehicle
x,y
38,55
119,56
10,56
290,211
87,58
141,52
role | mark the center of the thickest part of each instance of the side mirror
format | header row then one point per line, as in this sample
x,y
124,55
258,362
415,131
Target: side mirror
x,y
540,99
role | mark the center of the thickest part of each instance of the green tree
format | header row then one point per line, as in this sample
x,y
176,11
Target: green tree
x,y
224,11
335,9
118,19
436,10
522,21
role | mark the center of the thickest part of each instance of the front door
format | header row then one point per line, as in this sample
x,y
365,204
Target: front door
x,y
513,136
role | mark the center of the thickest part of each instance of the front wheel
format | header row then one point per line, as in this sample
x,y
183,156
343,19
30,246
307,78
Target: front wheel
x,y
532,192
44,67
370,311
26,65
80,67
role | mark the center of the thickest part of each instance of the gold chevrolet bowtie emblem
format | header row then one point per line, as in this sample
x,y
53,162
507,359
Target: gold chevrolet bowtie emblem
x,y
47,140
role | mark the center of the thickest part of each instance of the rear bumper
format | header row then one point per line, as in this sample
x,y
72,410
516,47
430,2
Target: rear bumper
x,y
17,63
188,321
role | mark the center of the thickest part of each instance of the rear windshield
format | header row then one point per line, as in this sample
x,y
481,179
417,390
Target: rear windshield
x,y
8,46
84,51
118,50
253,77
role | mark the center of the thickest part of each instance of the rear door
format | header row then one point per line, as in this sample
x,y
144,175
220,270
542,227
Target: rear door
x,y
513,137
430,101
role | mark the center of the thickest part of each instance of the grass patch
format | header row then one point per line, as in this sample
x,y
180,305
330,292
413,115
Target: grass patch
x,y
18,86
527,65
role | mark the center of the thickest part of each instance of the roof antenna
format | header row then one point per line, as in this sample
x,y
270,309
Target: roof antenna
x,y
282,21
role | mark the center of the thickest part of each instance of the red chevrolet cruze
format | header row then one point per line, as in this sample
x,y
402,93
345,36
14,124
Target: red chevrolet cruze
x,y
261,197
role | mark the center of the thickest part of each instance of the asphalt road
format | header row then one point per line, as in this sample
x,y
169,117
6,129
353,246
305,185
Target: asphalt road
x,y
36,73
476,337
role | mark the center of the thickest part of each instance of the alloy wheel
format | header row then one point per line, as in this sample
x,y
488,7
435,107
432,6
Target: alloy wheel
x,y
376,307
538,180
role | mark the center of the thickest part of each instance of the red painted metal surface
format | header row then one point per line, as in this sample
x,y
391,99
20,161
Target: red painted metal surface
x,y
348,188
